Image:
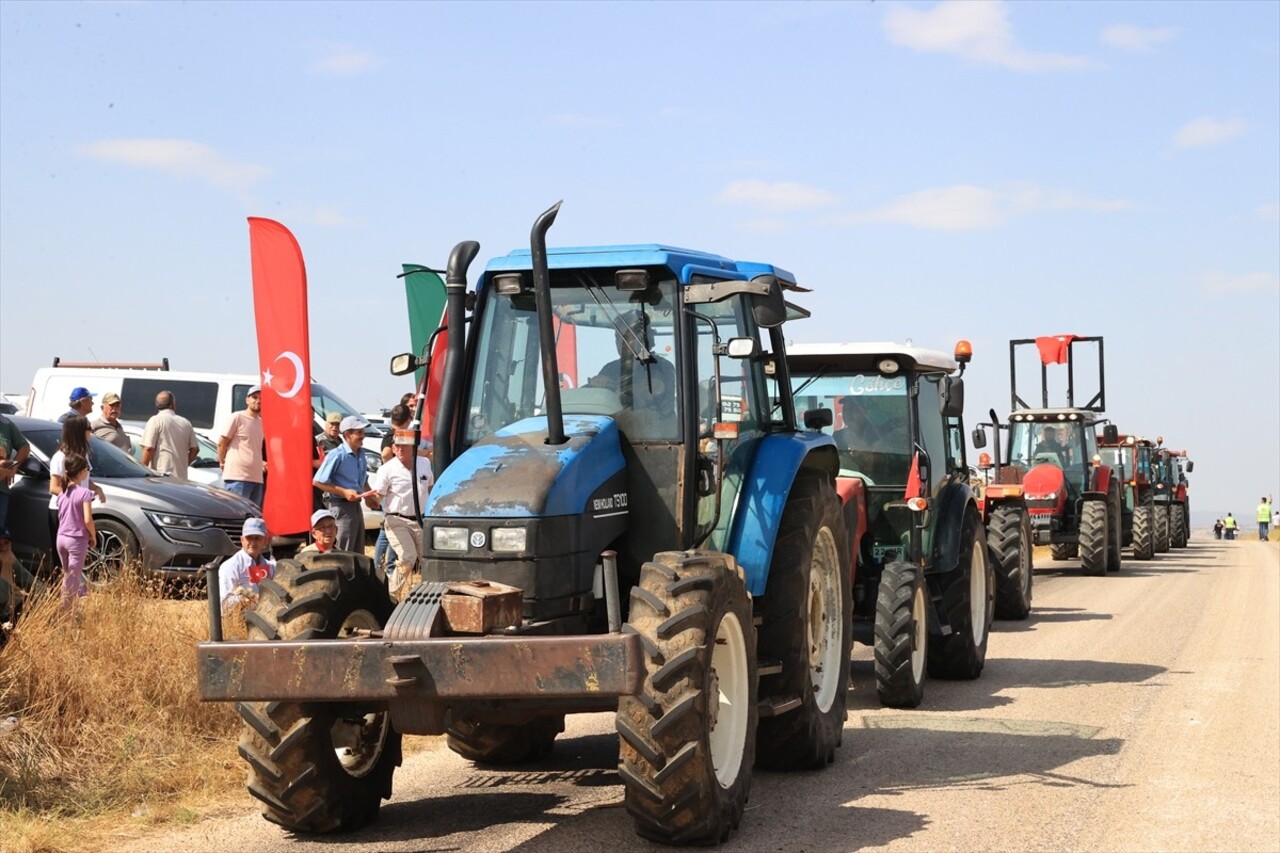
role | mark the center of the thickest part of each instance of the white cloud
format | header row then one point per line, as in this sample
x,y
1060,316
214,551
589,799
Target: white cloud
x,y
1207,131
776,196
765,226
1218,283
1136,39
971,208
977,30
347,62
580,120
322,215
179,157
1269,212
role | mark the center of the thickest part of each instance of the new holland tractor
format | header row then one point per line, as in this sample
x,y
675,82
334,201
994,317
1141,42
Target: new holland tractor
x,y
1172,507
923,587
1130,456
1073,498
626,517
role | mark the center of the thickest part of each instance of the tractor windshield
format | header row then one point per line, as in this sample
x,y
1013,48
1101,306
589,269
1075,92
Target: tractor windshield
x,y
1047,443
870,428
615,351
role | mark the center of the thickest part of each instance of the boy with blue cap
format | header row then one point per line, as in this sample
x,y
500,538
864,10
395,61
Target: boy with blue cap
x,y
239,576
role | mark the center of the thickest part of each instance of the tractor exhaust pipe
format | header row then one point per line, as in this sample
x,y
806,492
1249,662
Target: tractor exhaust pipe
x,y
455,286
546,328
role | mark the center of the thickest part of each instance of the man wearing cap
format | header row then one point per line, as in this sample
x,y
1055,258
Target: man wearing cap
x,y
108,426
81,404
394,484
324,532
240,450
239,576
169,441
342,477
332,438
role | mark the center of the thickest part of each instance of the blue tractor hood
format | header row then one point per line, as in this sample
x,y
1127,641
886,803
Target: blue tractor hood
x,y
514,473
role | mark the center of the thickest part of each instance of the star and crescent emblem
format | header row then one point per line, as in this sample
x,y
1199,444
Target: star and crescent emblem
x,y
298,375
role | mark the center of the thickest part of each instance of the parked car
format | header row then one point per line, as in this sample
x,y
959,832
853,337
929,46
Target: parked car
x,y
203,470
173,528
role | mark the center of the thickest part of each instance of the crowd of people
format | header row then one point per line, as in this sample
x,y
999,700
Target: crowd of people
x,y
1266,513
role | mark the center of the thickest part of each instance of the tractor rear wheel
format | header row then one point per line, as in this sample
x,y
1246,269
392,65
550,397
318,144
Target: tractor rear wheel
x,y
1162,528
1144,543
1095,536
316,769
901,635
497,744
807,624
1009,543
1177,526
1115,543
968,597
1064,550
687,741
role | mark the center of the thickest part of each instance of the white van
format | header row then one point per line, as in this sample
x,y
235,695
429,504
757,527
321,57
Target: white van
x,y
206,399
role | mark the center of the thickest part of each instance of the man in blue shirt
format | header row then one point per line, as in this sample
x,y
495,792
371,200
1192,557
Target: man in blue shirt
x,y
343,480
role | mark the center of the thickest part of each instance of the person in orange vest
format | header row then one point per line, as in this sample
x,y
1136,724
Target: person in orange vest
x,y
1264,518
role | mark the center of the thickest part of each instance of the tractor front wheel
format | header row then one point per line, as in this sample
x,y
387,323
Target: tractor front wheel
x,y
1009,541
901,635
1115,543
1162,528
497,744
1144,543
968,598
1095,536
687,742
1177,526
1064,550
314,768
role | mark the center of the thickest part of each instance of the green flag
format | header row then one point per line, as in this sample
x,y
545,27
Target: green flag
x,y
425,293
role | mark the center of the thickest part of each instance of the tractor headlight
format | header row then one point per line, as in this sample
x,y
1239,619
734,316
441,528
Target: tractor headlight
x,y
449,538
508,539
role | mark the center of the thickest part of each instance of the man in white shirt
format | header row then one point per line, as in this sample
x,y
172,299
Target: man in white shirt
x,y
169,441
239,576
394,484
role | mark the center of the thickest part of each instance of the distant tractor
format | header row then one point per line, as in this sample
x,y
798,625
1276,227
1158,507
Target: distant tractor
x,y
1073,498
923,586
1131,458
1172,507
626,517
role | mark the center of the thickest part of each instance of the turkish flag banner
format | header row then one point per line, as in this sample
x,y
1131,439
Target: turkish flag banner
x,y
284,362
1054,349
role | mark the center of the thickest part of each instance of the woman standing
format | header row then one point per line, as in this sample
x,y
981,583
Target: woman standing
x,y
75,440
75,527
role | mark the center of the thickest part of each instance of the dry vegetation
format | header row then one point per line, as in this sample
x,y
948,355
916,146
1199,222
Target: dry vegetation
x,y
102,727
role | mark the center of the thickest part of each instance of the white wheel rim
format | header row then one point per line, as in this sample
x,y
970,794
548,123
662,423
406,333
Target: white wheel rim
x,y
920,639
978,593
825,629
728,735
358,742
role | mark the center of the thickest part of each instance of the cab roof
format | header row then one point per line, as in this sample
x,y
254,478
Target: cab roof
x,y
684,263
1088,416
866,356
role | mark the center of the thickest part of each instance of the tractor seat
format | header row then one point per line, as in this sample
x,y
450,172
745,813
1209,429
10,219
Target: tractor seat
x,y
589,400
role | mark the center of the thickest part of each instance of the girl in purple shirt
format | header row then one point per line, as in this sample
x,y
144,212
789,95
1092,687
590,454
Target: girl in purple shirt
x,y
75,528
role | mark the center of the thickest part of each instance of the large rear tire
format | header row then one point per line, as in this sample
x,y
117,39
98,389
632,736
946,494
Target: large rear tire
x,y
1095,536
807,624
1177,526
687,742
1009,543
901,635
498,744
1162,528
1115,542
1144,542
968,599
1064,550
315,769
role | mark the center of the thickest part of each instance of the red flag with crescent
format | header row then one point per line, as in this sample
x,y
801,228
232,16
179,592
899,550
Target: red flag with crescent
x,y
284,363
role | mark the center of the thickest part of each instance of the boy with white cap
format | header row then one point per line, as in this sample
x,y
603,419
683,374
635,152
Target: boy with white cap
x,y
343,478
239,576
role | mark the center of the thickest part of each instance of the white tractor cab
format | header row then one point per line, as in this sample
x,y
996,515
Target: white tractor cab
x,y
206,399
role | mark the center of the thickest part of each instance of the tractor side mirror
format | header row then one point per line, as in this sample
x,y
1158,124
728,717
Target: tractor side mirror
x,y
1191,466
1111,434
403,364
979,436
951,390
769,309
742,348
818,418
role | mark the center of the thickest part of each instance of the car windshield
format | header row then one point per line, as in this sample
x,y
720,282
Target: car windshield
x,y
106,459
870,413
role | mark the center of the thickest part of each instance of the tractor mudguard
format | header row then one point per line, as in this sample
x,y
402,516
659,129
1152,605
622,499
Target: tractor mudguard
x,y
1102,476
950,504
514,473
764,493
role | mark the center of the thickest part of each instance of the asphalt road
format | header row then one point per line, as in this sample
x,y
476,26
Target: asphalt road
x,y
1136,711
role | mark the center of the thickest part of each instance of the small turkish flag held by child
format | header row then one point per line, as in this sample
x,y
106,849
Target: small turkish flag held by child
x,y
259,573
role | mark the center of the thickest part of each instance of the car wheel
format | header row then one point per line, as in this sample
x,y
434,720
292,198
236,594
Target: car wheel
x,y
114,549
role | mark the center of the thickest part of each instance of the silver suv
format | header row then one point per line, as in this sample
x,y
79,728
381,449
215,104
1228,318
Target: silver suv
x,y
174,528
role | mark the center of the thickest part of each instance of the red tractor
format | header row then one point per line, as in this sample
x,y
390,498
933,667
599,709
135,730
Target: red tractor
x,y
1172,509
1073,498
1131,457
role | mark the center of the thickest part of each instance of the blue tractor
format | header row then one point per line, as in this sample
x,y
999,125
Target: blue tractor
x,y
626,517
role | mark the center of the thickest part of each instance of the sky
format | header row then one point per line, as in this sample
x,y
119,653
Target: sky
x,y
934,171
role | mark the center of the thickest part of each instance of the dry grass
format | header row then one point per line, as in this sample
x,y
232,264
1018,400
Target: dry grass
x,y
103,720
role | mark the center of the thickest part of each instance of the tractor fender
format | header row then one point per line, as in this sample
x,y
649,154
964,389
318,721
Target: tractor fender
x,y
1102,477
763,496
951,503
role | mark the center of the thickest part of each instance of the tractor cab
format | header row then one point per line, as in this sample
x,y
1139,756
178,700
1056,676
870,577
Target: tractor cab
x,y
1056,451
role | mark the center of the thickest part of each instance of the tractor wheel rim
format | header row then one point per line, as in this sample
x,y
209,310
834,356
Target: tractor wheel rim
x,y
358,741
728,735
825,626
977,594
920,635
